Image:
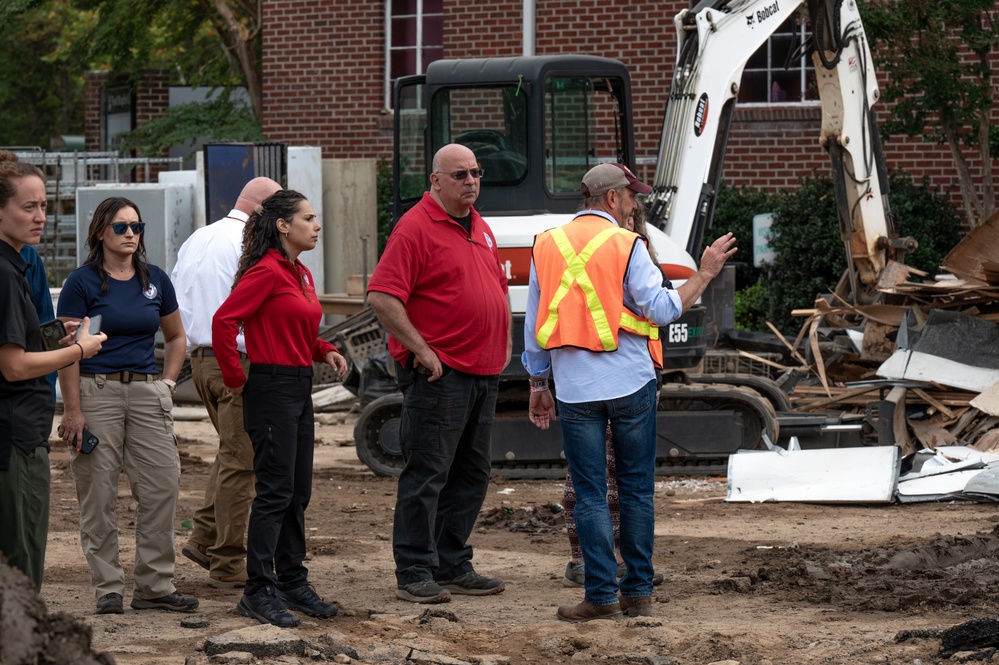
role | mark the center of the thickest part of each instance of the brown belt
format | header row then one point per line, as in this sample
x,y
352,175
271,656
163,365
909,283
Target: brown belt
x,y
124,377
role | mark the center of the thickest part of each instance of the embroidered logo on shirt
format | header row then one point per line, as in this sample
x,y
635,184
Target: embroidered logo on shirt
x,y
151,292
489,241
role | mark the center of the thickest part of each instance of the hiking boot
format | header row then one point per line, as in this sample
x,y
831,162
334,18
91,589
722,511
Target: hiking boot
x,y
110,603
636,607
573,576
473,584
175,602
237,581
587,612
423,591
197,553
305,599
266,607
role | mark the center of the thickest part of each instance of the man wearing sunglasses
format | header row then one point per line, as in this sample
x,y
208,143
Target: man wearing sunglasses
x,y
440,292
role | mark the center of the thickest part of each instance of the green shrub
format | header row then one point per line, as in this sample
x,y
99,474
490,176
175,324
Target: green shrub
x,y
751,307
926,214
383,187
811,257
734,211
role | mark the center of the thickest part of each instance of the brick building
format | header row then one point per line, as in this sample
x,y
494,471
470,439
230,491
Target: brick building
x,y
327,68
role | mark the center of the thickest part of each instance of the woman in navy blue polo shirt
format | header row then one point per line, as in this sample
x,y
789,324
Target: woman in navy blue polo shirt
x,y
120,398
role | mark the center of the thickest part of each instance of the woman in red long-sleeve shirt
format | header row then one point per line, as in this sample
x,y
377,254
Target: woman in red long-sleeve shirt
x,y
274,300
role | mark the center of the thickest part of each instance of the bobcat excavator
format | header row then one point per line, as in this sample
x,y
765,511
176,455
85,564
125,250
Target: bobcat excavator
x,y
537,124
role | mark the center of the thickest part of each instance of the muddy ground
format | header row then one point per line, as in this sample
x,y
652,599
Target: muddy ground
x,y
751,584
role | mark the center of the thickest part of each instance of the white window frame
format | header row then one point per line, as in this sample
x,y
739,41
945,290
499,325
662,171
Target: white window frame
x,y
805,65
420,16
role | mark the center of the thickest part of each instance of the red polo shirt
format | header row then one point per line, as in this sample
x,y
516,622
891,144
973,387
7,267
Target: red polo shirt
x,y
280,321
452,286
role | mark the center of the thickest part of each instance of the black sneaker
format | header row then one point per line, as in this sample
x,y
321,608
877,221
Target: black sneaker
x,y
266,607
110,603
175,602
473,584
423,591
305,599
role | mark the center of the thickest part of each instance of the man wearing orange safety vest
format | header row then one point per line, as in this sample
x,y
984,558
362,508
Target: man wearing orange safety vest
x,y
594,304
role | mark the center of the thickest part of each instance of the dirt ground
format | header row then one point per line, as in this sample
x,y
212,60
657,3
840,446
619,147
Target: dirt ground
x,y
750,584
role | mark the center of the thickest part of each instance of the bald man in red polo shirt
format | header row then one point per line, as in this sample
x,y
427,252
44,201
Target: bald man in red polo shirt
x,y
440,292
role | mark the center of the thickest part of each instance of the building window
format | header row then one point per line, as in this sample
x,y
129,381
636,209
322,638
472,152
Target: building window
x,y
414,37
780,71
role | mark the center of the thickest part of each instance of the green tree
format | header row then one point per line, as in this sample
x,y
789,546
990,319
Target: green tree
x,y
936,57
219,119
41,73
203,42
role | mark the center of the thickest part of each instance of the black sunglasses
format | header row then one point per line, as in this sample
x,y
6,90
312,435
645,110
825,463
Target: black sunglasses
x,y
119,227
461,175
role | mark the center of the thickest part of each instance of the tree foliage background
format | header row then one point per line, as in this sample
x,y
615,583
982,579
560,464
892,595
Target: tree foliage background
x,y
937,58
810,256
200,42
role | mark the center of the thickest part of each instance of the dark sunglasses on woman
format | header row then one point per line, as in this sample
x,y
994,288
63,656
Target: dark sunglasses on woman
x,y
119,227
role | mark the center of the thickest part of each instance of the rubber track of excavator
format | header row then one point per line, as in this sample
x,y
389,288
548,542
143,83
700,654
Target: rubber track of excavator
x,y
377,444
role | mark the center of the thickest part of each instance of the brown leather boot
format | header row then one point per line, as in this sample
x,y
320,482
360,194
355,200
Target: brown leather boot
x,y
237,581
587,612
636,607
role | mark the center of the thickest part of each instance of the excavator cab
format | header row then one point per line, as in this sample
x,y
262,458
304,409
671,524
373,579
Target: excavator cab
x,y
535,124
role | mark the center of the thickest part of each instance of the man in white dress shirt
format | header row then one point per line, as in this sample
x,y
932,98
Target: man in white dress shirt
x,y
202,277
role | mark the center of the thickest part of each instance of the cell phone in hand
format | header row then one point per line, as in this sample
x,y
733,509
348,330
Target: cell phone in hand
x,y
89,442
52,332
95,326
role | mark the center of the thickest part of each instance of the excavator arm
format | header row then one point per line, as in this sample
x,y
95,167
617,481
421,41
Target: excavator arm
x,y
715,40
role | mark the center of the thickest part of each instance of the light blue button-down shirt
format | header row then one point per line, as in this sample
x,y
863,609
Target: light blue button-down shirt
x,y
589,376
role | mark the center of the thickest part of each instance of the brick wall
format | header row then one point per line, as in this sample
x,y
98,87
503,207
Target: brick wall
x,y
323,73
94,82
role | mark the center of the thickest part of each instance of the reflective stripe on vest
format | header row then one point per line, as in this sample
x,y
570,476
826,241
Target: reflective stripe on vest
x,y
575,272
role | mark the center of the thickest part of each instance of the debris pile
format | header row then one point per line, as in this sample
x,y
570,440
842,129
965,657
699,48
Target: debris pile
x,y
917,369
921,365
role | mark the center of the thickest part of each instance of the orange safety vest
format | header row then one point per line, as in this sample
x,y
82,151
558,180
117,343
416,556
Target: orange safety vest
x,y
581,268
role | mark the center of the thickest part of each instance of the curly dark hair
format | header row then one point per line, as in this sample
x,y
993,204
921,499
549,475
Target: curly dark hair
x,y
103,216
12,169
261,233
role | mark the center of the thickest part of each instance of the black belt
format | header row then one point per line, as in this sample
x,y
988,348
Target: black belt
x,y
124,377
283,370
203,351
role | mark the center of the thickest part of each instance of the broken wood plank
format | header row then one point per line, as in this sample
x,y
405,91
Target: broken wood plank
x,y
846,395
934,402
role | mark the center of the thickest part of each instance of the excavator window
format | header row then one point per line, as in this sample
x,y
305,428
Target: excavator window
x,y
492,122
582,128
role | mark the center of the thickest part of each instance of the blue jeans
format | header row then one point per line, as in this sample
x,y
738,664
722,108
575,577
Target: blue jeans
x,y
633,425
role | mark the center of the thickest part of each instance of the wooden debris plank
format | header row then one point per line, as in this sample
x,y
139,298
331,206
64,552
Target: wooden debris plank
x,y
846,395
934,402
